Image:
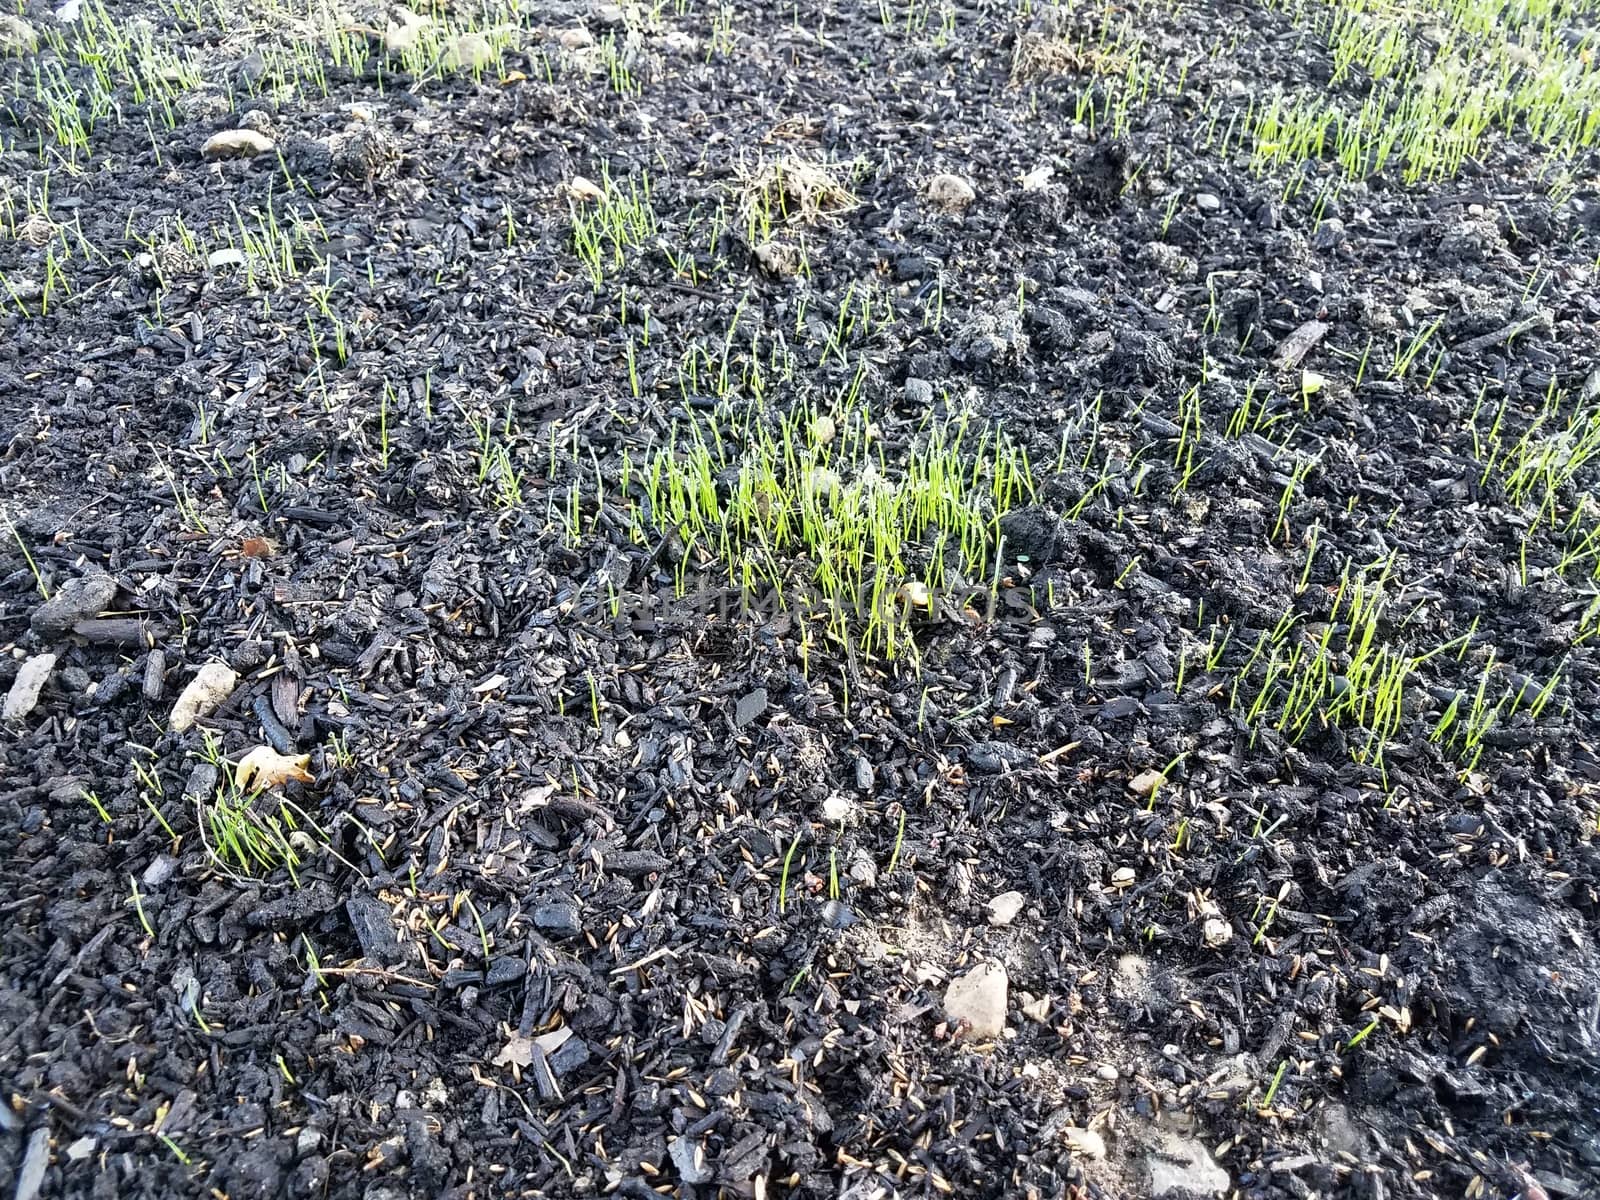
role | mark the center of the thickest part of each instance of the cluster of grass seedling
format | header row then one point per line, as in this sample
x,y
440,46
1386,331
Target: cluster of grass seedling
x,y
102,70
1357,668
1433,83
252,832
814,513
1343,671
606,229
1468,718
1546,468
1416,90
245,832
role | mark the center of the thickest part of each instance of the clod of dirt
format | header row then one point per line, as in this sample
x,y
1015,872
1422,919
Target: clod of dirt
x,y
16,36
1170,261
951,193
76,600
975,1002
37,230
559,919
363,153
236,143
993,338
1216,933
25,688
578,38
1099,178
778,259
1038,535
211,685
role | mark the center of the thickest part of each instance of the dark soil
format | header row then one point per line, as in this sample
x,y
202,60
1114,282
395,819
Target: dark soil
x,y
623,895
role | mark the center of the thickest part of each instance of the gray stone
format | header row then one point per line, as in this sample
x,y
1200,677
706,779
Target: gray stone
x,y
1180,1166
865,774
469,52
372,922
976,1002
1206,202
1146,782
993,758
837,915
1084,1142
919,392
23,697
571,1054
212,684
160,870
749,707
75,600
1003,909
30,1178
690,1161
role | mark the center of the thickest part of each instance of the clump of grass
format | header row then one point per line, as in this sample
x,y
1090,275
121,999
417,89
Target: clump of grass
x,y
1346,675
1466,722
611,223
790,190
1432,84
1038,55
814,513
1545,469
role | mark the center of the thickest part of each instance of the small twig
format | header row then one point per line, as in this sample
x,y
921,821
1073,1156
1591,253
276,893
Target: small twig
x,y
1542,318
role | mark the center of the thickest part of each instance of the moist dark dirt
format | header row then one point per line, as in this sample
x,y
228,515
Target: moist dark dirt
x,y
626,896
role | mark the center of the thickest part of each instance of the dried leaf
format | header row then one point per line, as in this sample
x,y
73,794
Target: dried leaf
x,y
265,768
255,547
